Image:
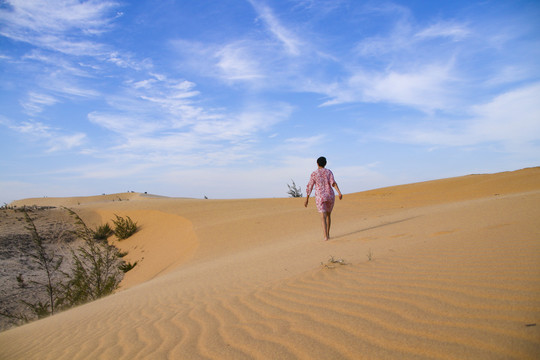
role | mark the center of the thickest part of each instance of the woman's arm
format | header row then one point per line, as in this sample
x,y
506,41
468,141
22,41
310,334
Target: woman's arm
x,y
337,188
309,188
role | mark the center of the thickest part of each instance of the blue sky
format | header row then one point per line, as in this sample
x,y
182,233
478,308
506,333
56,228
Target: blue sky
x,y
234,98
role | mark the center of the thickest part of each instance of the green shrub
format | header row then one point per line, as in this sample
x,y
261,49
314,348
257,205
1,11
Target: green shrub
x,y
49,262
96,269
41,310
103,232
94,273
124,227
125,267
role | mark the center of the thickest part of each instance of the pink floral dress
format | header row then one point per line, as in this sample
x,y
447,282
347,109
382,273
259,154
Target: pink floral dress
x,y
323,179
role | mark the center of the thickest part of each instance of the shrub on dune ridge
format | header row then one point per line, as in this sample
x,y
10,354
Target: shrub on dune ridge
x,y
93,270
95,273
49,262
125,267
124,227
103,232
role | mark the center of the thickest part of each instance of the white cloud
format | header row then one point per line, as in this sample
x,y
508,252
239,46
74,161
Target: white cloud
x,y
53,139
398,19
511,119
237,62
155,103
426,89
36,129
454,31
397,40
290,41
37,101
320,7
125,125
67,87
405,36
125,60
69,27
57,16
234,127
57,61
513,116
59,142
161,120
508,74
55,25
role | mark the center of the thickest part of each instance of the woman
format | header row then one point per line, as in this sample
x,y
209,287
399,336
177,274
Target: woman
x,y
323,179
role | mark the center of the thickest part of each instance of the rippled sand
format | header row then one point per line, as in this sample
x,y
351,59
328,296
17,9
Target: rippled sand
x,y
447,269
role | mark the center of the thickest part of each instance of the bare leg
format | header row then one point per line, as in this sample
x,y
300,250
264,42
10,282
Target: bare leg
x,y
324,224
326,221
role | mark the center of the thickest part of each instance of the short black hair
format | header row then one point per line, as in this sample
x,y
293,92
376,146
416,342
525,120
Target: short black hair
x,y
321,161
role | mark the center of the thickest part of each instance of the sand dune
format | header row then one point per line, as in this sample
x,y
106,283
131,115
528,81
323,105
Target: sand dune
x,y
72,201
454,274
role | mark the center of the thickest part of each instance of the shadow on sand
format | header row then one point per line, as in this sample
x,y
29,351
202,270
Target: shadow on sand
x,y
375,227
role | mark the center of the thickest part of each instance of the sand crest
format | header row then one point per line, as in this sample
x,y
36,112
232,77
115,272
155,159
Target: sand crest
x,y
448,269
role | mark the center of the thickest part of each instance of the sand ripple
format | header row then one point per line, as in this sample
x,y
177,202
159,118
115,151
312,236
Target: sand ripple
x,y
451,282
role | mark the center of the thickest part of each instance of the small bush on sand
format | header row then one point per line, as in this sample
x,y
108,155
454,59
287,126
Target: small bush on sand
x,y
103,232
95,273
369,255
332,261
125,267
124,227
49,262
294,191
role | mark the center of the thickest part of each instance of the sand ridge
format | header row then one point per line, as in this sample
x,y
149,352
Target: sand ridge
x,y
82,200
454,273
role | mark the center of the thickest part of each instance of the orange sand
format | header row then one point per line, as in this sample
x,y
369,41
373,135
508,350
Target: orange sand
x,y
454,274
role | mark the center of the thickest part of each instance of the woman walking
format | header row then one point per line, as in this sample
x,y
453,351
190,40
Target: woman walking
x,y
323,180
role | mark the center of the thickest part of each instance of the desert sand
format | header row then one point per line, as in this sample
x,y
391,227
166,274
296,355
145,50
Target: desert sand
x,y
445,269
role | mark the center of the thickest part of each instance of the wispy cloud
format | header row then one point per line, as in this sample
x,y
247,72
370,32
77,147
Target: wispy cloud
x,y
161,92
70,27
320,7
56,26
37,101
290,41
87,17
59,142
426,89
509,119
236,61
183,129
54,139
454,31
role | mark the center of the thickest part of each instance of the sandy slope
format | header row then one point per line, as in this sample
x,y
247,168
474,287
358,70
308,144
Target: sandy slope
x,y
455,274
